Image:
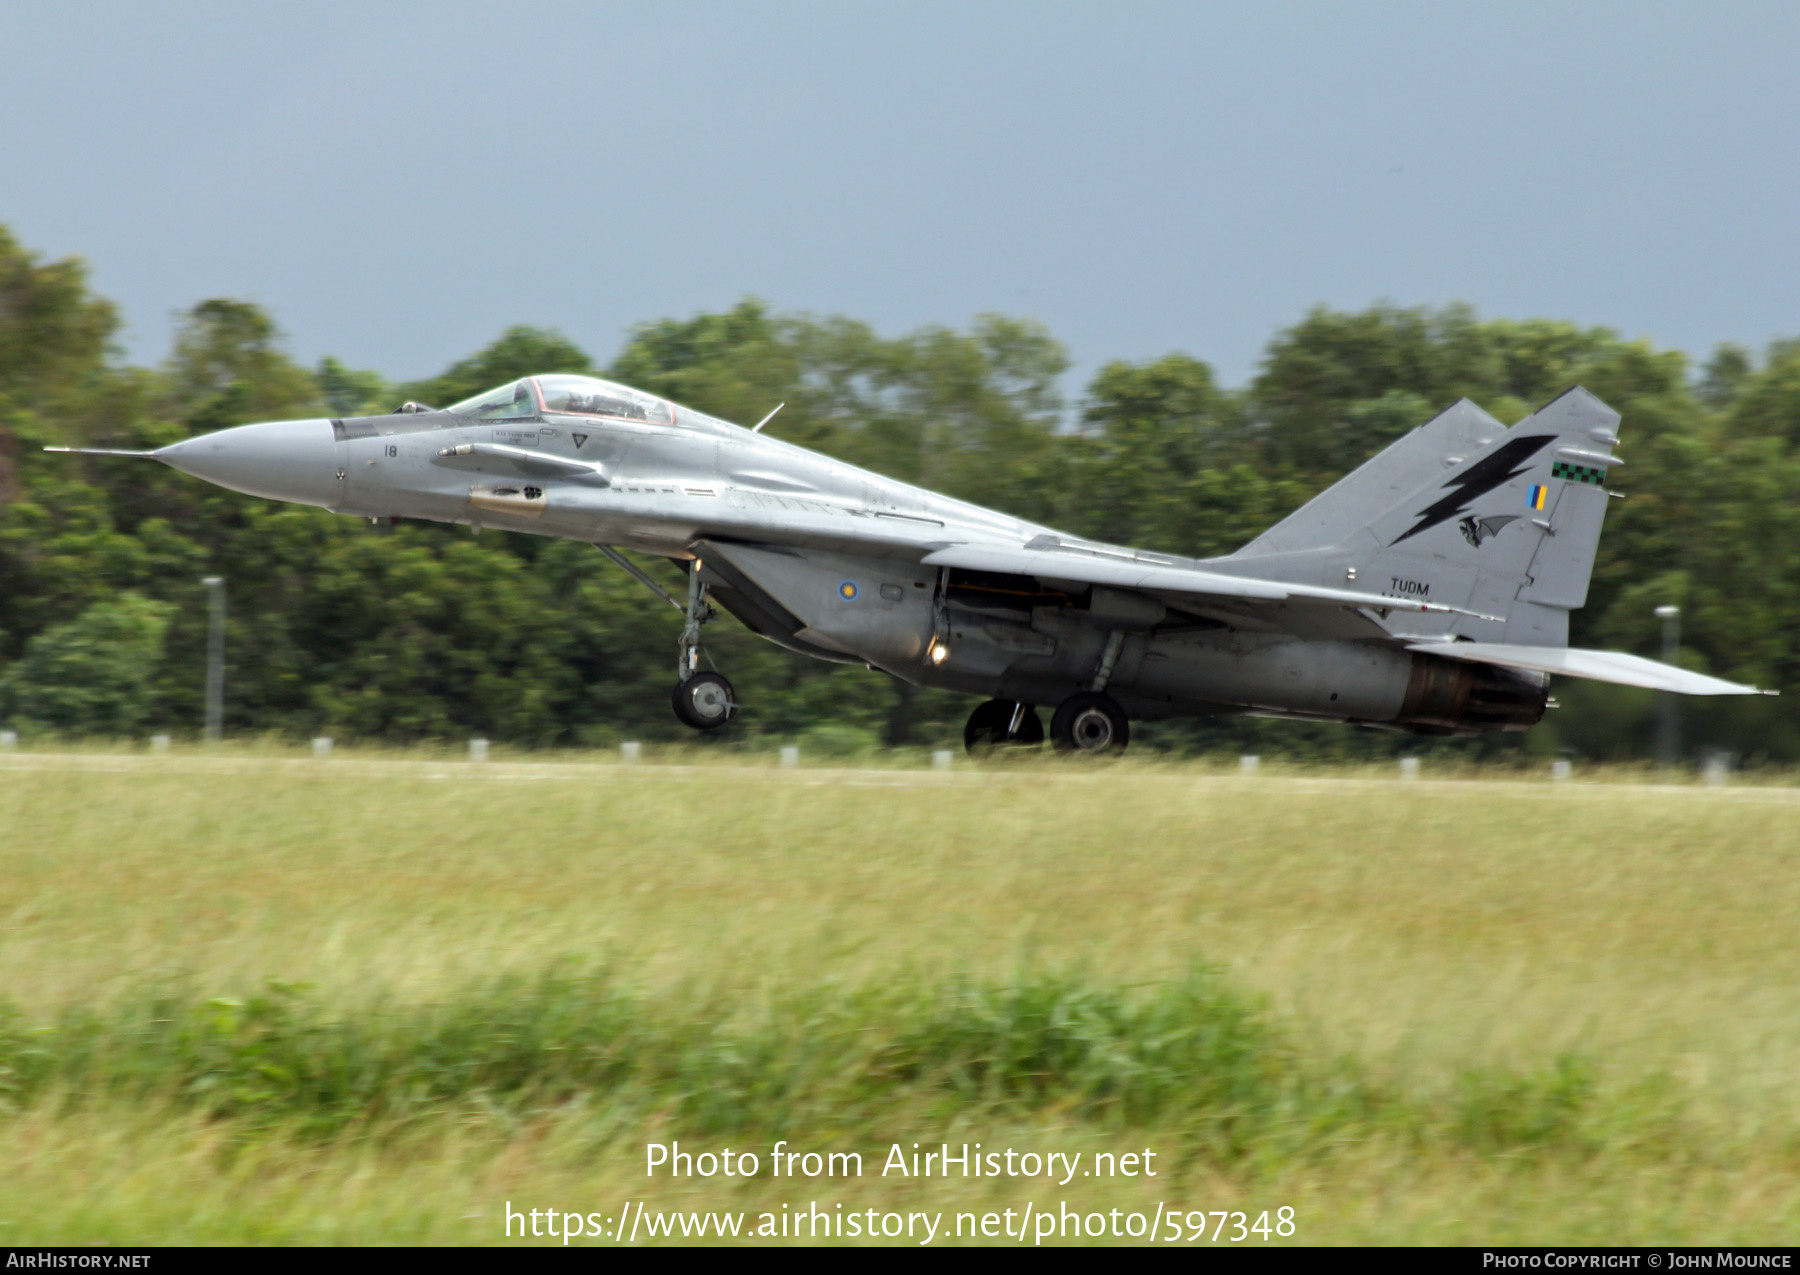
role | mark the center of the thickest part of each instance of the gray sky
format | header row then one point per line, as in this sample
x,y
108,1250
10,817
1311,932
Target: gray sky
x,y
399,181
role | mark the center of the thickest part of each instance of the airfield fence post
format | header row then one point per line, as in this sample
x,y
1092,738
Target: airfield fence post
x,y
215,656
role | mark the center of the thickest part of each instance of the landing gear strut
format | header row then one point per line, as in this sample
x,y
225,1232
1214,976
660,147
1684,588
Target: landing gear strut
x,y
704,701
1090,722
1001,723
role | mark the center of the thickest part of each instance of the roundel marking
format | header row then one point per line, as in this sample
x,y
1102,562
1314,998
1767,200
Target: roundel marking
x,y
847,591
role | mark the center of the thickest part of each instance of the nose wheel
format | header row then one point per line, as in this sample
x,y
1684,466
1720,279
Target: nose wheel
x,y
1090,722
705,701
1002,723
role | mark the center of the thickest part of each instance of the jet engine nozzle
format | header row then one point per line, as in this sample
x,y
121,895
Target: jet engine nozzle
x,y
1449,697
296,461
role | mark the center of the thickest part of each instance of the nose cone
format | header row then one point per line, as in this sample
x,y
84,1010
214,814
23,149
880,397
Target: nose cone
x,y
282,460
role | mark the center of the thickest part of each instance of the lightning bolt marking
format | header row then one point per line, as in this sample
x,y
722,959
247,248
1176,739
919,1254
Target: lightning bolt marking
x,y
1478,480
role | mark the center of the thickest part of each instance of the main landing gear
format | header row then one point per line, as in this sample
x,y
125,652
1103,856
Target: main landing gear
x,y
1002,723
1089,722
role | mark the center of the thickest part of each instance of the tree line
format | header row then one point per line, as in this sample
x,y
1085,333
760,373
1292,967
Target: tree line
x,y
418,631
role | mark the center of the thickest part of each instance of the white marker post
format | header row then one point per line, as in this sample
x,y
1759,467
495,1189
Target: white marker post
x,y
215,657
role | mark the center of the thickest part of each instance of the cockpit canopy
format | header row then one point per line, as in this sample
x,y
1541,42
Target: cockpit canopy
x,y
565,395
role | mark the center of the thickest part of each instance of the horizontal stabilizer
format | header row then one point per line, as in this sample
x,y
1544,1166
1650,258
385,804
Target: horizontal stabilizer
x,y
1599,666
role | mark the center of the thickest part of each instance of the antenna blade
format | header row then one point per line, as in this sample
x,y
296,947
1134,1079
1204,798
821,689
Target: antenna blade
x,y
765,420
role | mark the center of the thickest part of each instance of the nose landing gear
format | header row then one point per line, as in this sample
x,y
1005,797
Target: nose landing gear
x,y
704,701
1002,723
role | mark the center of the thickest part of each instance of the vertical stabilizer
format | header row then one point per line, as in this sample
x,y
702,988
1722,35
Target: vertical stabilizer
x,y
1508,531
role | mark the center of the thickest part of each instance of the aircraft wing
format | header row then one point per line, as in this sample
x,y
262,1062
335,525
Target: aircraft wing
x,y
1172,583
1598,666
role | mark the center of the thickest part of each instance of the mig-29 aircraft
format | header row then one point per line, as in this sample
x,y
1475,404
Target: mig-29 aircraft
x,y
1429,590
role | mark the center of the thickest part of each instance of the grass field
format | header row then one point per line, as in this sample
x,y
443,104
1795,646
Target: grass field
x,y
372,999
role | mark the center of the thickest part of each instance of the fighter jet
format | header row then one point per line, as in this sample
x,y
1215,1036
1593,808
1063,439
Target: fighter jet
x,y
1429,590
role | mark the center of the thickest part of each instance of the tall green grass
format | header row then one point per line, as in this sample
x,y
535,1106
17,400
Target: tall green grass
x,y
1193,1058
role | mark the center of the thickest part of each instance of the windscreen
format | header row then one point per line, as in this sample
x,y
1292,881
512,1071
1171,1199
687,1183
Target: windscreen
x,y
513,402
590,396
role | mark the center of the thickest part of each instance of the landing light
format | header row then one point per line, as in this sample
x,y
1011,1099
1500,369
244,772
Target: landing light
x,y
939,652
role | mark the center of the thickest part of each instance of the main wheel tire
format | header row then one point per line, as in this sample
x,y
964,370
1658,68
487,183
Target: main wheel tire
x,y
990,723
1090,722
705,701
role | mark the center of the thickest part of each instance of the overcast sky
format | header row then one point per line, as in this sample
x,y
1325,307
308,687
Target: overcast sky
x,y
399,181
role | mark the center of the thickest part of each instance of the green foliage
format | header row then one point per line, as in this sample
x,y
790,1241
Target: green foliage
x,y
1337,387
350,392
93,674
1164,460
1496,1110
53,333
228,369
1726,372
1767,405
1317,370
520,351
